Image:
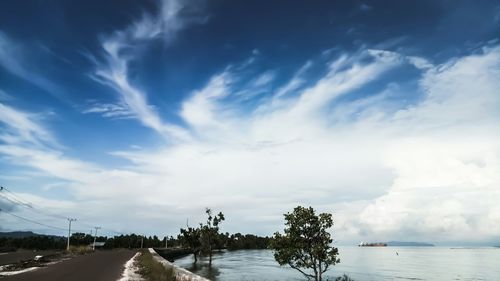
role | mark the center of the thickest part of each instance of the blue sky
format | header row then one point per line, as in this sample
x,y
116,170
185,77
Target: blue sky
x,y
135,115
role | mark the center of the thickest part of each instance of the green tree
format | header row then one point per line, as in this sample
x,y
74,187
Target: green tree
x,y
191,238
306,243
210,232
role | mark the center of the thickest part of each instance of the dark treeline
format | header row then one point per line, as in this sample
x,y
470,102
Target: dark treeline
x,y
43,242
39,242
239,241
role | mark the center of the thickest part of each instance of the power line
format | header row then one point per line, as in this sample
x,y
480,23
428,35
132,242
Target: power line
x,y
14,201
15,196
31,206
32,221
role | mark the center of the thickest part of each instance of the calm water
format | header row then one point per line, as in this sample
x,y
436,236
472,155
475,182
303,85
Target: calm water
x,y
424,263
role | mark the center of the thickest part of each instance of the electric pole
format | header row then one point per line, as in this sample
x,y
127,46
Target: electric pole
x,y
142,240
166,241
95,237
69,231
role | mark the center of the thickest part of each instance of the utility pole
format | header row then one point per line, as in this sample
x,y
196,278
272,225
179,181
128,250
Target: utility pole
x,y
95,237
69,231
166,241
142,240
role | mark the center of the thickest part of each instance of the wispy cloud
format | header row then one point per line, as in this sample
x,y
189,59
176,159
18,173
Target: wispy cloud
x,y
18,60
294,83
110,110
20,127
365,7
174,16
4,96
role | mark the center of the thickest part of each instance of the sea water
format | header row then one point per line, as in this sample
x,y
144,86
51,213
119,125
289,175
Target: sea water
x,y
359,263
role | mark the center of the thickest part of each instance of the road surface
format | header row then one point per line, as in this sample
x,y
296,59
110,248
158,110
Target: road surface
x,y
21,255
98,266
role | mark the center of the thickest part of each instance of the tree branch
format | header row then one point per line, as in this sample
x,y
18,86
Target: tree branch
x,y
307,275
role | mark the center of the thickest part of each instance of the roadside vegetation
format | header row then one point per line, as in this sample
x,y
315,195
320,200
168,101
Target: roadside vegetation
x,y
152,270
79,250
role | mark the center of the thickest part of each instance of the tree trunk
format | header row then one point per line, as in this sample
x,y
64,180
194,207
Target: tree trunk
x,y
210,255
315,268
195,257
210,249
320,271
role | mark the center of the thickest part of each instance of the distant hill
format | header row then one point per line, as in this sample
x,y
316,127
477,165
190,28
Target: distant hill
x,y
409,244
23,234
18,234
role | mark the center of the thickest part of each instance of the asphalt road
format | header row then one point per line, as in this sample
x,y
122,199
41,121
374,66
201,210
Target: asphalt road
x,y
98,266
21,255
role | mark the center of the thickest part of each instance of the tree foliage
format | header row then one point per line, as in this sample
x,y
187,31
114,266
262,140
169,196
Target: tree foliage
x,y
191,238
210,232
306,243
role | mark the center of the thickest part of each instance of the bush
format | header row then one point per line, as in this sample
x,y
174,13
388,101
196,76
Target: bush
x,y
344,278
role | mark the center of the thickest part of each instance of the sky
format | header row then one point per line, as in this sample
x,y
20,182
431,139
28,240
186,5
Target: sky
x,y
137,115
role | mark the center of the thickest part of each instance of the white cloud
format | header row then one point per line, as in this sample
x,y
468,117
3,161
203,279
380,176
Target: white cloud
x,y
447,164
424,171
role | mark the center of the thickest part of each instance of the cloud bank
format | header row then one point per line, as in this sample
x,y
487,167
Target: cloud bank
x,y
390,162
428,170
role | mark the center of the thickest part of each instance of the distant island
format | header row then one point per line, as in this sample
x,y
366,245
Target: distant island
x,y
395,244
378,244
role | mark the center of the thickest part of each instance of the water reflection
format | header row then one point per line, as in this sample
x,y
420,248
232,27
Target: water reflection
x,y
203,268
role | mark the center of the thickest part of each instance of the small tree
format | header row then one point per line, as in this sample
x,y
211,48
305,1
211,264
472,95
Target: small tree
x,y
306,243
210,232
191,238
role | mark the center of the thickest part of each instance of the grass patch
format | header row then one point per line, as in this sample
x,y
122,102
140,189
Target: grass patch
x,y
152,270
80,250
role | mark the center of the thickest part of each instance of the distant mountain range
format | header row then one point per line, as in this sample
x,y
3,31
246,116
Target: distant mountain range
x,y
409,244
18,234
21,234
